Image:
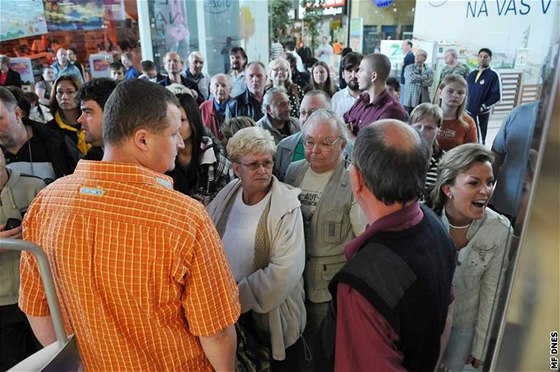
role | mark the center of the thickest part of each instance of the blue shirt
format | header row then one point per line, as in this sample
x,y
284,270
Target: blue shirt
x,y
131,73
513,141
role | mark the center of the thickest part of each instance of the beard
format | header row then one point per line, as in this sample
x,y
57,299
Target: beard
x,y
353,84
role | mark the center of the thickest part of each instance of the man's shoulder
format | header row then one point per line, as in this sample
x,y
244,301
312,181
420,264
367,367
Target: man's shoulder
x,y
289,142
207,105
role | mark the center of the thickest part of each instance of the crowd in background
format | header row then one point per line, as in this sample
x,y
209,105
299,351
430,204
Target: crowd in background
x,y
276,152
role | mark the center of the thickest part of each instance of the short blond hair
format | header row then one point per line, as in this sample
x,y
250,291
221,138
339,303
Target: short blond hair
x,y
427,110
249,141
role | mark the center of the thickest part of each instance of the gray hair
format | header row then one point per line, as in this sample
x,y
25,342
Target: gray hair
x,y
269,96
332,117
455,161
195,54
453,52
393,173
249,141
422,51
4,60
8,99
279,62
320,93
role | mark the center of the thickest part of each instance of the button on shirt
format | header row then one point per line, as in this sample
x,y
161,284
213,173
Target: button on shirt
x,y
138,280
384,106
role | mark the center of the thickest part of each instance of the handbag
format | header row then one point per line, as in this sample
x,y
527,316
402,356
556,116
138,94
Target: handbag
x,y
251,355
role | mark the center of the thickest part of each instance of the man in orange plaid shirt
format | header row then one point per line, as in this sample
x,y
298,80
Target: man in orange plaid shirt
x,y
138,267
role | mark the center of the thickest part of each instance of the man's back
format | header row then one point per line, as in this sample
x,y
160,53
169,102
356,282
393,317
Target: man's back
x,y
133,274
405,276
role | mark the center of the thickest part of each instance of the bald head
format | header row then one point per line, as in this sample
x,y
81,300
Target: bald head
x,y
398,134
392,159
62,56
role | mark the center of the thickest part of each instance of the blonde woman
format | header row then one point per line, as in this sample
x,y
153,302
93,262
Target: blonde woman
x,y
458,127
464,186
280,75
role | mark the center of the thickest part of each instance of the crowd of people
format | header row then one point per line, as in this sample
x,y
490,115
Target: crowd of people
x,y
261,219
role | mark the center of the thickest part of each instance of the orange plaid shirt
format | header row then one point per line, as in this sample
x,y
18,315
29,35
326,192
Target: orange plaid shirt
x,y
139,268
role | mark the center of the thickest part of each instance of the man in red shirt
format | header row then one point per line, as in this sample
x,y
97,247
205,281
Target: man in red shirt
x,y
390,300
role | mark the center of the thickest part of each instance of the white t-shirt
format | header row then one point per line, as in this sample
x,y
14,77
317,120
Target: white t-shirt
x,y
312,188
239,237
342,101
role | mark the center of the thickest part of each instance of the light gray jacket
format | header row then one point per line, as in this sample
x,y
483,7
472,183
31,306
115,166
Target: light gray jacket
x,y
479,274
276,290
15,198
329,230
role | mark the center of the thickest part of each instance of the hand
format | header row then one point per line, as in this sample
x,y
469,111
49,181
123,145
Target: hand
x,y
473,362
14,233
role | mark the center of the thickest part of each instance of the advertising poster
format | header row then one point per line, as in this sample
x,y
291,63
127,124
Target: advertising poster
x,y
100,65
22,18
25,69
72,15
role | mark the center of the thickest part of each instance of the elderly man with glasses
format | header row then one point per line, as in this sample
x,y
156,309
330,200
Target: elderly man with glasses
x,y
330,214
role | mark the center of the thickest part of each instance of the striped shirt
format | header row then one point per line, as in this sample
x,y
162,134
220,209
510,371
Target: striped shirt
x,y
139,268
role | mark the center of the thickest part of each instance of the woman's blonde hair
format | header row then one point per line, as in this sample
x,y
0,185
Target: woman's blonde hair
x,y
275,63
249,141
455,161
450,79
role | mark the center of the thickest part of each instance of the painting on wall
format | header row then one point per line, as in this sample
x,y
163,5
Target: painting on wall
x,y
22,18
72,15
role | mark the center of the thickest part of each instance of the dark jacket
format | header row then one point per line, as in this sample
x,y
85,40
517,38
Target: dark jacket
x,y
244,105
484,92
13,78
406,276
62,152
408,60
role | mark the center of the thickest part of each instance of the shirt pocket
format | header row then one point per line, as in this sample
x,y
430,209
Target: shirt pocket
x,y
318,273
332,227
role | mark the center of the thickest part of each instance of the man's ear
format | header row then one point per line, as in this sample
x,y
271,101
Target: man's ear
x,y
356,180
374,76
141,137
19,113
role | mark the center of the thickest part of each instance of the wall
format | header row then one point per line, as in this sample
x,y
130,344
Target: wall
x,y
501,25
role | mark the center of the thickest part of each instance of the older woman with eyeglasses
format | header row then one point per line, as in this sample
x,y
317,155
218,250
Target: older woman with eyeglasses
x,y
65,108
260,223
280,75
465,183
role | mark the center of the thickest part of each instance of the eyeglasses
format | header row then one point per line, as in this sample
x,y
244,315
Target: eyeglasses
x,y
267,164
325,146
279,69
69,93
306,113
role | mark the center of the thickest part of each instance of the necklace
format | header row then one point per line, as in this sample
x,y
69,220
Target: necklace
x,y
459,227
